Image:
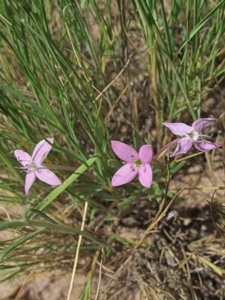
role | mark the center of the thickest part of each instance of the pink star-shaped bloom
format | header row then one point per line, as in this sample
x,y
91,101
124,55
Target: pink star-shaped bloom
x,y
190,136
33,165
135,164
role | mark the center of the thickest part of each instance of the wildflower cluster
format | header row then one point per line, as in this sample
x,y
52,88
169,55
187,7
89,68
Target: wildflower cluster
x,y
138,163
135,163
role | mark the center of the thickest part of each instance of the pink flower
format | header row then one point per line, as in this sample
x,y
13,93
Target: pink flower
x,y
33,165
190,136
135,164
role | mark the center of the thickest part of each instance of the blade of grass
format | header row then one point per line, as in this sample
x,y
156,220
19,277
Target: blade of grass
x,y
47,225
57,191
200,25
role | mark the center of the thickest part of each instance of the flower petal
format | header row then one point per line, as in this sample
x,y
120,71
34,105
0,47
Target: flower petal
x,y
206,145
146,153
202,123
178,128
183,145
41,150
23,157
47,176
124,152
145,175
124,175
29,180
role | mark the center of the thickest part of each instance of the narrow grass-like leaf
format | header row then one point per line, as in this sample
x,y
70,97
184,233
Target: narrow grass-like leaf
x,y
57,191
19,242
200,25
47,225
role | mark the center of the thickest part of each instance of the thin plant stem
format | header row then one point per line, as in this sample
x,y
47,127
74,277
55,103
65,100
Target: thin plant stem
x,y
100,276
77,252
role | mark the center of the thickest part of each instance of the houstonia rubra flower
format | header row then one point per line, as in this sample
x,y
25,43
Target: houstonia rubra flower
x,y
33,165
190,136
135,164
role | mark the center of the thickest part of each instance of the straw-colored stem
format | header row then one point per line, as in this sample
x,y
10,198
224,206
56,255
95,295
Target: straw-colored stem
x,y
77,252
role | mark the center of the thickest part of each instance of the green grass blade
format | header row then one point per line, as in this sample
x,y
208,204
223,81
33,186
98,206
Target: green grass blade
x,y
200,25
57,191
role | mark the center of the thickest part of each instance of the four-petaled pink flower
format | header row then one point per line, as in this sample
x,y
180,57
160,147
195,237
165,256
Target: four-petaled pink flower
x,y
135,164
33,165
190,136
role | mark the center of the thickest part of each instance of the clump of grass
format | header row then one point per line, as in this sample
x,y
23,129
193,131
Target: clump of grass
x,y
85,73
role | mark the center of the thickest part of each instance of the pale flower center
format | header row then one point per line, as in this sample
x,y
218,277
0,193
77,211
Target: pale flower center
x,y
32,167
194,135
